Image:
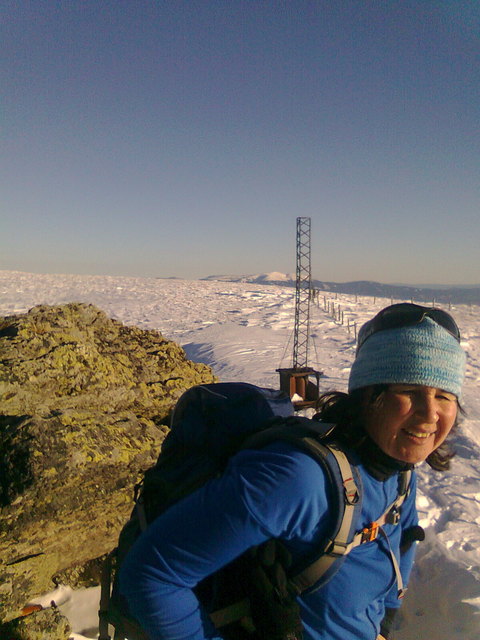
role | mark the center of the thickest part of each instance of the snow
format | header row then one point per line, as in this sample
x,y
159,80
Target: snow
x,y
244,331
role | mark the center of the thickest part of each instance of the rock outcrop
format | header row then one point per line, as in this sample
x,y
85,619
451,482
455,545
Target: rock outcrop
x,y
84,404
48,624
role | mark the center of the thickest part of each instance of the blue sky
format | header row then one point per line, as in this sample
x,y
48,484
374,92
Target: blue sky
x,y
184,137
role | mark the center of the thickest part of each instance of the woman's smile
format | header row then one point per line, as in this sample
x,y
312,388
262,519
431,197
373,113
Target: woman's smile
x,y
410,421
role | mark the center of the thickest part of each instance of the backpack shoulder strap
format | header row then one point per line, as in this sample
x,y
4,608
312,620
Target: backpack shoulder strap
x,y
345,480
339,544
308,435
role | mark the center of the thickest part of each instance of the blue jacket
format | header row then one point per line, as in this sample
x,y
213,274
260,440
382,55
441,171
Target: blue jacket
x,y
278,492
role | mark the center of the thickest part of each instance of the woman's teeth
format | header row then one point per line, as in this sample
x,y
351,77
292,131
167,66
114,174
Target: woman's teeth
x,y
419,434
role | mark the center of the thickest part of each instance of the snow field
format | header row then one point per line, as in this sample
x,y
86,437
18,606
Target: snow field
x,y
244,332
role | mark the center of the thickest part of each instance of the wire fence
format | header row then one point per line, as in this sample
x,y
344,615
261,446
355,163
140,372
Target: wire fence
x,y
333,308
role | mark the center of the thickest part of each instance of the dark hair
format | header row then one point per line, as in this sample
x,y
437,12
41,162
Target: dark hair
x,y
346,410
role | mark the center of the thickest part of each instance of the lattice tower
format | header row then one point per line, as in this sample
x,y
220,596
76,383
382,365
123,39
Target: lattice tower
x,y
302,295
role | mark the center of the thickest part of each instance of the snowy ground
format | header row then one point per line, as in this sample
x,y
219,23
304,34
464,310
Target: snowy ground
x,y
244,332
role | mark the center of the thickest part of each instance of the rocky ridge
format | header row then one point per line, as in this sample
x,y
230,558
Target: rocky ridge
x,y
84,408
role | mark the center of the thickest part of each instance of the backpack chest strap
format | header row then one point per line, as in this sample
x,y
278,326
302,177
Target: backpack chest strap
x,y
390,516
340,546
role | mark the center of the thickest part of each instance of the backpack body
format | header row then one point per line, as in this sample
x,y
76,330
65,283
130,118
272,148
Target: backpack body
x,y
208,425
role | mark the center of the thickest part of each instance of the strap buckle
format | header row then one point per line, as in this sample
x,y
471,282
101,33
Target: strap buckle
x,y
393,516
370,533
338,549
351,491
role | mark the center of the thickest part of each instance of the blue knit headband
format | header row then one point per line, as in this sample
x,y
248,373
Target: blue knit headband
x,y
423,354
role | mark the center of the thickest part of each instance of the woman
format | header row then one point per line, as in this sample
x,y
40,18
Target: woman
x,y
402,403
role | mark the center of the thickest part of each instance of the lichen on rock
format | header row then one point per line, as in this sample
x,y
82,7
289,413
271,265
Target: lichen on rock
x,y
84,409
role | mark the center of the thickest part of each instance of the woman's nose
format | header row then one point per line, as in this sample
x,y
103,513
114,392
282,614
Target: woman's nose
x,y
427,407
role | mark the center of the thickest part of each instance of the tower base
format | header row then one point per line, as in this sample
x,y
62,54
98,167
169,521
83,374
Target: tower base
x,y
301,385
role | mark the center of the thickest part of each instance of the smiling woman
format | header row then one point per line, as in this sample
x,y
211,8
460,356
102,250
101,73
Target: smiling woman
x,y
404,386
412,421
402,404
416,351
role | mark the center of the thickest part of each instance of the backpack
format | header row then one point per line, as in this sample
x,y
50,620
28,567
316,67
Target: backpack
x,y
253,597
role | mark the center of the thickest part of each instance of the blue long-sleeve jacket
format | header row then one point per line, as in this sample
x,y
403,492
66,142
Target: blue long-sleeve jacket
x,y
278,492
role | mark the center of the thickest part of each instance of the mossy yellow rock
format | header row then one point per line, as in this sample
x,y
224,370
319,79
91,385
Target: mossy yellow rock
x,y
84,404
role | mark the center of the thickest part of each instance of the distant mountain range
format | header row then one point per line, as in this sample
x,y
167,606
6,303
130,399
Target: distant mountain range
x,y
443,294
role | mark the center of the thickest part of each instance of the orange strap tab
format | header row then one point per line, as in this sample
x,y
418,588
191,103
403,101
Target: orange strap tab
x,y
370,533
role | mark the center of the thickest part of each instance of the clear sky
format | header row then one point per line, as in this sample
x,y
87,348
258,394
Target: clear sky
x,y
183,138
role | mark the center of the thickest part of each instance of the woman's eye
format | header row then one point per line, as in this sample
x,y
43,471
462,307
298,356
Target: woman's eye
x,y
405,392
446,397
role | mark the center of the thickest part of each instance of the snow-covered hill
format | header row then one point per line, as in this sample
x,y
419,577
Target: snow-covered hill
x,y
445,294
274,277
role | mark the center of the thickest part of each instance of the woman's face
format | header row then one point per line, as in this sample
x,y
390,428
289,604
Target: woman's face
x,y
410,421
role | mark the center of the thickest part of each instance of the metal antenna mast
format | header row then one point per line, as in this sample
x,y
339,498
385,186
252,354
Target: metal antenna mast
x,y
301,382
301,335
